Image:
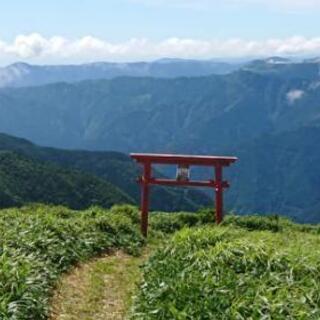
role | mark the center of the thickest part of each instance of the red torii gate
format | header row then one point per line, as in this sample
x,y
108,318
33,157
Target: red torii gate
x,y
183,162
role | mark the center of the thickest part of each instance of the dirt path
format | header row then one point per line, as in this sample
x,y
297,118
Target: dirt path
x,y
99,290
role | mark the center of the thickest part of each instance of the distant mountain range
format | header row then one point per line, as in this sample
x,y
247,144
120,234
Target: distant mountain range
x,y
267,112
22,74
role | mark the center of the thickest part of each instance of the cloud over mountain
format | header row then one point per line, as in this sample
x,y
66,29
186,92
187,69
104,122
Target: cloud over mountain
x,y
294,95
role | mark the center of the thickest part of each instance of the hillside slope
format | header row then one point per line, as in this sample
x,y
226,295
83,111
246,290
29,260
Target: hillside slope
x,y
23,180
115,168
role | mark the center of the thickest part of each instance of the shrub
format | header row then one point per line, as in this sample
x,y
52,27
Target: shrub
x,y
171,222
130,211
272,223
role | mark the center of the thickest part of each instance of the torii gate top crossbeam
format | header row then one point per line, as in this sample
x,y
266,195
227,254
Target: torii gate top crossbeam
x,y
183,159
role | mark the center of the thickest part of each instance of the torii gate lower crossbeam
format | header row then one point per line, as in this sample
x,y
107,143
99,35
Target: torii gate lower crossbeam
x,y
183,161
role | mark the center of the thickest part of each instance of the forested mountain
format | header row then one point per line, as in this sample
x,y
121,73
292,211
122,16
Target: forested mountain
x,y
22,74
116,170
264,114
279,173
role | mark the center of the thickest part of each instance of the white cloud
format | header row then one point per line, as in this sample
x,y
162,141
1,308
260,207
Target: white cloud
x,y
35,47
294,95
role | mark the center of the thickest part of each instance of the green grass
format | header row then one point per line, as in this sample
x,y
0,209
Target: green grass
x,y
248,268
39,243
234,272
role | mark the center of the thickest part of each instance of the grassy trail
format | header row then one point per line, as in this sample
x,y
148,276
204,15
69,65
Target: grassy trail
x,y
99,289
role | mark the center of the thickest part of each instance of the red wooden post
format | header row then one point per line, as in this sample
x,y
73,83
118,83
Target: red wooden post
x,y
145,198
219,194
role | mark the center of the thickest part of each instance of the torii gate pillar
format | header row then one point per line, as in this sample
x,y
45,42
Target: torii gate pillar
x,y
183,161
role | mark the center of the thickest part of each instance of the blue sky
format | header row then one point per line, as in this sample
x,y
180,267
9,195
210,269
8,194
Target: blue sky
x,y
60,31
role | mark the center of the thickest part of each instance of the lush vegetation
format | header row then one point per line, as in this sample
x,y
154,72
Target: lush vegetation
x,y
250,268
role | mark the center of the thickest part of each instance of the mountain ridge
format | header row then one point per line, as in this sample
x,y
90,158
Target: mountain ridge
x,y
21,74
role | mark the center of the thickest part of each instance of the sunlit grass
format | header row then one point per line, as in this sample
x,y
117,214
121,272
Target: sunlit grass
x,y
232,273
